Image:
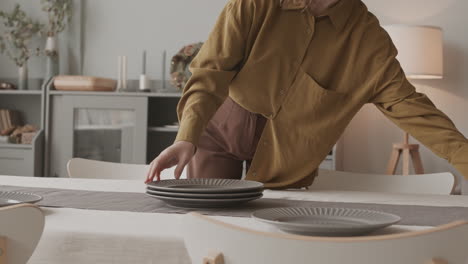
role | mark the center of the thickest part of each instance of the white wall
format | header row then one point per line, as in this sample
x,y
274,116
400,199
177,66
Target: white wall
x,y
69,47
108,28
122,27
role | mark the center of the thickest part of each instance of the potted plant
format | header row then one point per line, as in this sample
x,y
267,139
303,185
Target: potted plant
x,y
15,41
59,13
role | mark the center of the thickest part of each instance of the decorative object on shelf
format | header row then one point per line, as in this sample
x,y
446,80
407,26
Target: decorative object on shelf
x,y
420,53
144,81
12,130
84,83
7,86
180,64
28,137
52,59
59,13
122,74
9,120
23,77
163,75
15,41
17,135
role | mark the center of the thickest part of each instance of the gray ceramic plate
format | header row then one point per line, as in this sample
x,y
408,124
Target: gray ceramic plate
x,y
205,195
206,186
11,198
204,203
326,221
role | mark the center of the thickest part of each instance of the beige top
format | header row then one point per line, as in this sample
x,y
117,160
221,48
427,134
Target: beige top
x,y
309,76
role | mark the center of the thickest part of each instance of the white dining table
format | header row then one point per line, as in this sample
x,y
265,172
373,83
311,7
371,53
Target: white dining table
x,y
94,236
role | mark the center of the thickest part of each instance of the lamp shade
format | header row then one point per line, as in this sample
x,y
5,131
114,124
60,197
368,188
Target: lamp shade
x,y
420,50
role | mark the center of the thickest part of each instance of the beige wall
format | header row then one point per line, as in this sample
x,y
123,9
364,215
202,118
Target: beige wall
x,y
367,141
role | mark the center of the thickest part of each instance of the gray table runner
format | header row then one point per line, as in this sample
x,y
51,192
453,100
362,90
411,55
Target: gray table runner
x,y
139,202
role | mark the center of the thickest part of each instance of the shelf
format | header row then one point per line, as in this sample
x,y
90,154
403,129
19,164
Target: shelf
x,y
21,92
101,127
142,94
163,129
16,146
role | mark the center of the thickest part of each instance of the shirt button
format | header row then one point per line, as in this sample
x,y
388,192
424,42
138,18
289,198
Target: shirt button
x,y
309,31
254,174
281,91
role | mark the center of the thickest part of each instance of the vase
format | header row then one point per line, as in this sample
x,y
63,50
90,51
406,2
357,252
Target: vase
x,y
52,58
23,77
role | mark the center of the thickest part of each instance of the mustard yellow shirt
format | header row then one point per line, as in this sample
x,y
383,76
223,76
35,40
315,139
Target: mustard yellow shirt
x,y
309,76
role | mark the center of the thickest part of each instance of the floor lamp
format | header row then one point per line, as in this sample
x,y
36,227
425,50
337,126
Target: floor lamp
x,y
420,53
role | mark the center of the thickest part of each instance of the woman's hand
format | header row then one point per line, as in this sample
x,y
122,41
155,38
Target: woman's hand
x,y
180,153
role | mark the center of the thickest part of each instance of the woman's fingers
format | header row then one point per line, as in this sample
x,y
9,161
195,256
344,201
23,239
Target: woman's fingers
x,y
180,168
183,161
162,162
178,154
150,176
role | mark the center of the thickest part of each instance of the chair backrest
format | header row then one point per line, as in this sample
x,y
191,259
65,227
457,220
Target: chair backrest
x,y
21,228
211,241
94,169
438,183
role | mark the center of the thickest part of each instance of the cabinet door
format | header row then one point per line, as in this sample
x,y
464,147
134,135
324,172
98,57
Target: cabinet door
x,y
107,128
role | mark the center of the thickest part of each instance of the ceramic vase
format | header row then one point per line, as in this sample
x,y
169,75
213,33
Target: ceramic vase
x,y
52,58
23,77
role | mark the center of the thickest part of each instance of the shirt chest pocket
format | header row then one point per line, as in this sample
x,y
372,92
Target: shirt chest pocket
x,y
307,100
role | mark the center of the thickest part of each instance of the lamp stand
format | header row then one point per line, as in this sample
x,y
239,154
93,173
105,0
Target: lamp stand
x,y
407,150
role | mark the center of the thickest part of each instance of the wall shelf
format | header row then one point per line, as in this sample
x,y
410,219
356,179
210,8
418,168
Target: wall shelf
x,y
15,146
135,94
163,129
22,159
21,92
101,127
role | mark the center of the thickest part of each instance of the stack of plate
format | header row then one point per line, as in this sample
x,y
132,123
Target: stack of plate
x,y
205,193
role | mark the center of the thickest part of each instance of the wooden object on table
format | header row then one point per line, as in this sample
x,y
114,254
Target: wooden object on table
x,y
23,225
95,169
83,83
437,183
409,151
241,245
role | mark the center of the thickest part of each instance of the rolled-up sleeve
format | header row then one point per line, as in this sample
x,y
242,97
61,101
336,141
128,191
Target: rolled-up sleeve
x,y
213,69
414,112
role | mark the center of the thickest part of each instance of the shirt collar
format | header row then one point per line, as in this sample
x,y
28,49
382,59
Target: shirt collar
x,y
338,13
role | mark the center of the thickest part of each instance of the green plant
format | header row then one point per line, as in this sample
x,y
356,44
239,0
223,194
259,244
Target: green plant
x,y
59,13
15,41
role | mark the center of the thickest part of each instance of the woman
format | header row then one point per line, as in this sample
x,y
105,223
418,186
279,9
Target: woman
x,y
278,82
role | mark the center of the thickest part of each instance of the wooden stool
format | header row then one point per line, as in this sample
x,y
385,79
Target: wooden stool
x,y
407,150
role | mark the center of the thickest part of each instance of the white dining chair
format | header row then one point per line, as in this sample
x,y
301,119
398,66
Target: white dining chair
x,y
437,183
21,228
94,169
210,241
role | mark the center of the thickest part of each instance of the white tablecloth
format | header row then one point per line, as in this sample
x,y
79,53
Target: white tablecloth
x,y
87,236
